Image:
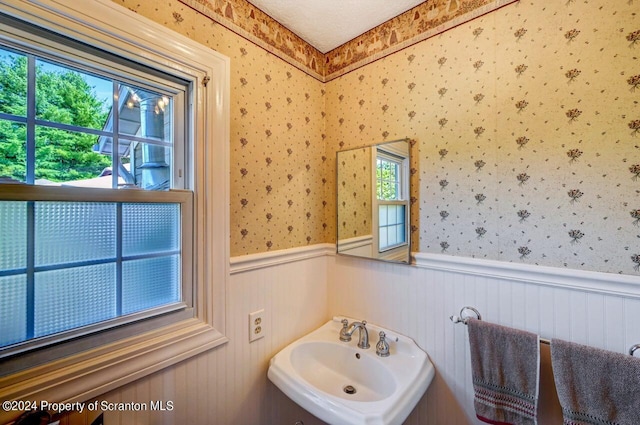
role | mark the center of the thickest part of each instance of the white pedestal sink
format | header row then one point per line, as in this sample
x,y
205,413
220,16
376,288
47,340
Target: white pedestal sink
x,y
346,385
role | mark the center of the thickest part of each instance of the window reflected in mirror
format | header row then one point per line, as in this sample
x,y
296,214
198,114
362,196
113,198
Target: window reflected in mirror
x,y
373,201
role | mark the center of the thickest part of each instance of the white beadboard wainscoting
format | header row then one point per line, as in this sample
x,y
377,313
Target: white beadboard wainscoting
x,y
418,300
228,385
302,288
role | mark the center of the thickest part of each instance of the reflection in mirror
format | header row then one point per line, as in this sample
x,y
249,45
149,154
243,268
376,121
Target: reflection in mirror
x,y
373,194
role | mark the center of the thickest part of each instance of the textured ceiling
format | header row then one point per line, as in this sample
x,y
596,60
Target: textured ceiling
x,y
327,24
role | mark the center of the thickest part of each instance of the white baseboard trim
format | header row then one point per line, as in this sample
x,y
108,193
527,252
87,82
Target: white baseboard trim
x,y
249,262
583,280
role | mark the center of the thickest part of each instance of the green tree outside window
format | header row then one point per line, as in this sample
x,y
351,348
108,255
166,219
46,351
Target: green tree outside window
x,y
62,96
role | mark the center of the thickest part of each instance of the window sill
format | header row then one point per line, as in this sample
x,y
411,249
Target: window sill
x,y
106,25
91,373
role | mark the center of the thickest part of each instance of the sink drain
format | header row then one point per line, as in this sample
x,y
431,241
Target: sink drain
x,y
349,389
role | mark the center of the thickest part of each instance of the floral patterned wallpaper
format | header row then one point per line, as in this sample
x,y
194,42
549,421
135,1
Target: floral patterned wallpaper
x,y
417,24
354,193
528,133
525,125
280,196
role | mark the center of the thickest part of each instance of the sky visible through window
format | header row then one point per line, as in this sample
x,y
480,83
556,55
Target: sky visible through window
x,y
75,136
125,255
102,88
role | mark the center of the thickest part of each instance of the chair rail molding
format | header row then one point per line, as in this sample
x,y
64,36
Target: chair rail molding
x,y
583,280
249,262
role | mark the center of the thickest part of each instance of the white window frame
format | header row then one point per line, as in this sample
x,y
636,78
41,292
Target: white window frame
x,y
387,151
113,28
400,176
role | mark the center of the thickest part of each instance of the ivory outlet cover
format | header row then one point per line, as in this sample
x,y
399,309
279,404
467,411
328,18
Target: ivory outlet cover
x,y
257,324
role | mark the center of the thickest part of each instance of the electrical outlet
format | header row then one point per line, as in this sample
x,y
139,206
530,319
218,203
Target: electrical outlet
x,y
257,324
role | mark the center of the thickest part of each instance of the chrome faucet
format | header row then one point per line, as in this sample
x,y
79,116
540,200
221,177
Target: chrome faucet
x,y
348,330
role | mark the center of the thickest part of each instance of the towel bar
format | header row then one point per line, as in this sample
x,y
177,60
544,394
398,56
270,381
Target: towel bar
x,y
464,317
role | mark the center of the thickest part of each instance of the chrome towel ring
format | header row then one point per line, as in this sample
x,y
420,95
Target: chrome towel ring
x,y
464,315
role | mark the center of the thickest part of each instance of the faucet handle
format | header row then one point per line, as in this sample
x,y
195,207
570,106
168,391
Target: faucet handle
x,y
382,347
344,335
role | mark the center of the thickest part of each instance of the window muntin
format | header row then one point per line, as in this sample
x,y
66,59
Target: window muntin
x,y
78,263
392,225
74,127
391,200
138,347
388,177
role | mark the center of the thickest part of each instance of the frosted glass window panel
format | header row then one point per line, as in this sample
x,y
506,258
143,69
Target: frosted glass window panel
x,y
382,215
13,235
394,214
13,309
392,220
71,298
150,282
68,232
383,238
401,233
391,236
150,228
400,213
391,215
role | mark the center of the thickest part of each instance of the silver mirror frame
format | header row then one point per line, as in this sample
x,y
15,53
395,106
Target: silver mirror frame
x,y
367,245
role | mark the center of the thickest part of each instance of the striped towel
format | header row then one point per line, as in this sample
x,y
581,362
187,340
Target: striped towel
x,y
505,367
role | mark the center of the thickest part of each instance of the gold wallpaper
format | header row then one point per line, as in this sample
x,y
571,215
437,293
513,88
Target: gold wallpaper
x,y
280,196
425,20
525,122
528,133
354,193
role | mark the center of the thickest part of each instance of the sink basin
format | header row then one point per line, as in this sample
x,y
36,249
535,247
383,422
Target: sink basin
x,y
329,367
345,385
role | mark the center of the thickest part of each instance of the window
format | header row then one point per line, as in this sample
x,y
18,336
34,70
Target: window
x,y
102,163
69,264
67,126
388,177
391,195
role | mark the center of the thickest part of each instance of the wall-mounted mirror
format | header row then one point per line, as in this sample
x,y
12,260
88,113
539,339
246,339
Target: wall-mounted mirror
x,y
373,193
